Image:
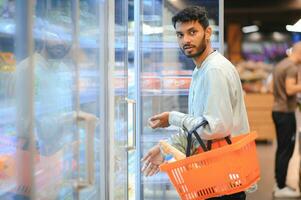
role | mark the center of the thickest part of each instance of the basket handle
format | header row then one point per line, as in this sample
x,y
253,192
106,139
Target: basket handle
x,y
201,142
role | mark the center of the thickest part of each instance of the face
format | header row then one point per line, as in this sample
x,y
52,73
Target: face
x,y
56,49
192,38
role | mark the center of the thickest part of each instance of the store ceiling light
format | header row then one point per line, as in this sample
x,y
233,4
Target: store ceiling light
x,y
278,36
255,37
250,29
294,28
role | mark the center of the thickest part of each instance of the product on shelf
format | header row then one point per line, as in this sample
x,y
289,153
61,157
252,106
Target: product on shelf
x,y
254,75
174,83
176,72
7,62
150,81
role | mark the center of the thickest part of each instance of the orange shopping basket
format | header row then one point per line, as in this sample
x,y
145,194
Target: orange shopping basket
x,y
224,170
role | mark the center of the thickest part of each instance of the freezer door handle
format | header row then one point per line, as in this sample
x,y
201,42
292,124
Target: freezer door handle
x,y
132,146
90,121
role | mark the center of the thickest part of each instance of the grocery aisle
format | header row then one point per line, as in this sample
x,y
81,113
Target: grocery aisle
x,y
266,154
265,185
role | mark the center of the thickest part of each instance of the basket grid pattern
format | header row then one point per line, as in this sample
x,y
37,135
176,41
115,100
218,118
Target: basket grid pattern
x,y
239,179
236,182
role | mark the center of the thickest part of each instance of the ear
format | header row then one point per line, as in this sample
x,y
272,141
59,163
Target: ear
x,y
208,33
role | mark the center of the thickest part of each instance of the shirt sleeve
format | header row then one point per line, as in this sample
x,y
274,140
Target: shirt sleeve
x,y
292,72
218,108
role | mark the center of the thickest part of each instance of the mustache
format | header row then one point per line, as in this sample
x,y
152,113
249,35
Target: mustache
x,y
188,46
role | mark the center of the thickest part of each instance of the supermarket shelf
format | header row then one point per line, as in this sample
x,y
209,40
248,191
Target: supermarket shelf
x,y
160,178
149,92
165,93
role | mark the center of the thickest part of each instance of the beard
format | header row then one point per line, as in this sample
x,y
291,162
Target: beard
x,y
56,51
200,49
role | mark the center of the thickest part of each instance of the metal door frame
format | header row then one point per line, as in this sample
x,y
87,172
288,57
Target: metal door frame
x,y
105,99
25,94
137,66
221,25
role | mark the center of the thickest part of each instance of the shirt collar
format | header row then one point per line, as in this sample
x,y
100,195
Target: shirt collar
x,y
214,52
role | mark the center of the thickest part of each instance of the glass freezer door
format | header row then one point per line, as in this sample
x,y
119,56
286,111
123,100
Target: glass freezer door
x,y
50,99
67,98
165,75
123,153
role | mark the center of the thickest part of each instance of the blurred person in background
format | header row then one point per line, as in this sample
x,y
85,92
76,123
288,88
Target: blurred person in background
x,y
215,93
53,88
53,80
285,88
54,92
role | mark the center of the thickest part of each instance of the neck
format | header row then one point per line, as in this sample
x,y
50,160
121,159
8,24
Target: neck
x,y
199,60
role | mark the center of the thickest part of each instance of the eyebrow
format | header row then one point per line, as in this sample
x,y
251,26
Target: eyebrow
x,y
190,29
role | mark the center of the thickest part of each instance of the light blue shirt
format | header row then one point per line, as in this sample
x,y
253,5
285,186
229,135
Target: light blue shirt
x,y
215,95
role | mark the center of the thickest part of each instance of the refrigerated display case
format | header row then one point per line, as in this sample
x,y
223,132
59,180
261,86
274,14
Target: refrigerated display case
x,y
123,146
50,99
59,114
164,76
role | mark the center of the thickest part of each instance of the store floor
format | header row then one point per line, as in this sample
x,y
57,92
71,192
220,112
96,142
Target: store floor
x,y
266,153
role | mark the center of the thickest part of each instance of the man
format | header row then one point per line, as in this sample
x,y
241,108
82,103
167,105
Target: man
x,y
53,90
285,88
215,93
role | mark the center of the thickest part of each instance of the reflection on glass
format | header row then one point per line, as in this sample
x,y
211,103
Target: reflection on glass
x,y
54,104
61,138
57,163
9,141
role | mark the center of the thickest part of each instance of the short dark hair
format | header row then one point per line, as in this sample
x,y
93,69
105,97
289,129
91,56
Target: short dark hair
x,y
192,13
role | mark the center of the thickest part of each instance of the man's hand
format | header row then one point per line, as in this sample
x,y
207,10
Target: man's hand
x,y
159,121
152,160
